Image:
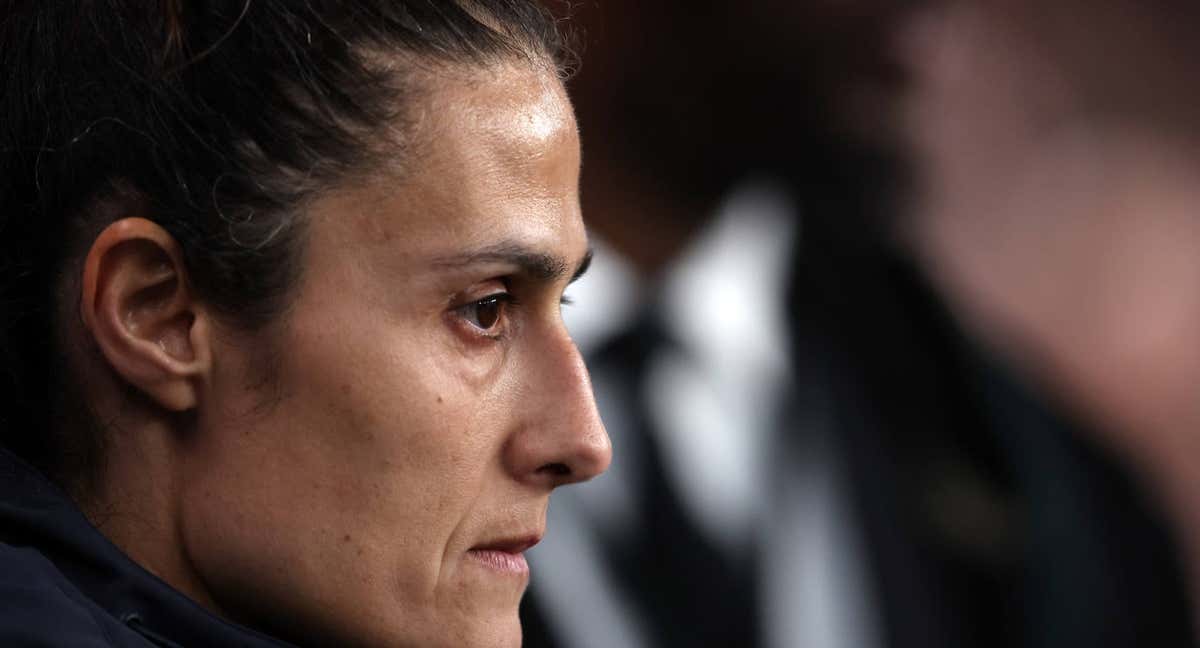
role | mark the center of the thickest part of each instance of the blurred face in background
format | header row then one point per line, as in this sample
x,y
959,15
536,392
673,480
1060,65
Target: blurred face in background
x,y
688,99
381,485
1058,200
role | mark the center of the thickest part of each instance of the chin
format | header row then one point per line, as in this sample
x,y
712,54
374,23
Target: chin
x,y
499,632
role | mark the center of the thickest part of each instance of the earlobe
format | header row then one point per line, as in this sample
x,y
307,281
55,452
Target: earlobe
x,y
138,306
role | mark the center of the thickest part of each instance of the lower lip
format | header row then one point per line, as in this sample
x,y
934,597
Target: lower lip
x,y
501,561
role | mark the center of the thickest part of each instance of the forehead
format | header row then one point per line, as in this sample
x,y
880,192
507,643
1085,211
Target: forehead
x,y
494,156
499,143
514,111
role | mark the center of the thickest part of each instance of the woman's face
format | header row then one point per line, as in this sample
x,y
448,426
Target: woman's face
x,y
373,467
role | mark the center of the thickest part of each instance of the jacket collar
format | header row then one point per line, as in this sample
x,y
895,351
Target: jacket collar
x,y
35,512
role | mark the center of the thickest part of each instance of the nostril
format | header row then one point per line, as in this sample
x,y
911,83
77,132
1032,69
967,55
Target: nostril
x,y
555,469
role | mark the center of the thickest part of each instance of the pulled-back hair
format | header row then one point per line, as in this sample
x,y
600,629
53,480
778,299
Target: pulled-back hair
x,y
217,119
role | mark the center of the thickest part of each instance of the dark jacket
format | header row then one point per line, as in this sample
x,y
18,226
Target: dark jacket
x,y
62,583
992,519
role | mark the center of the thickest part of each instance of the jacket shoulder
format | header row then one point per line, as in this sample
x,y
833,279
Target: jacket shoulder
x,y
40,607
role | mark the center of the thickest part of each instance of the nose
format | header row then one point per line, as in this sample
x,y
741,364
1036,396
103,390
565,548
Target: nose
x,y
561,439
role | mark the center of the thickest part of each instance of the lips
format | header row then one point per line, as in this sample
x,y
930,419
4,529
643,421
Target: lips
x,y
506,555
514,545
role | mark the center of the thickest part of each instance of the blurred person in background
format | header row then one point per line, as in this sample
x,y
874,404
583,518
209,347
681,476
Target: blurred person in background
x,y
683,320
979,329
929,471
1057,209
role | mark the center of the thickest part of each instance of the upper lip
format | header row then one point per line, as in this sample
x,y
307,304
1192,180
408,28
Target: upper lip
x,y
510,544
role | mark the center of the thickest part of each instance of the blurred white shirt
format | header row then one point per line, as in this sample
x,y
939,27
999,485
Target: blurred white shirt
x,y
715,399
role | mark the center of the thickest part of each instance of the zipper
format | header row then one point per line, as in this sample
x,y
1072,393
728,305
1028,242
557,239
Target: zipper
x,y
135,623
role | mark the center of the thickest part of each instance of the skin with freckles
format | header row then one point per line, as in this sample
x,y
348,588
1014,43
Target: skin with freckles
x,y
378,485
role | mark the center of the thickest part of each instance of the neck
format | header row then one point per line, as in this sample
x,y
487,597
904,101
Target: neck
x,y
135,504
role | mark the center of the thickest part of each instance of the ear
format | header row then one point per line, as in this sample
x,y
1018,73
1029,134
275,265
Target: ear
x,y
139,308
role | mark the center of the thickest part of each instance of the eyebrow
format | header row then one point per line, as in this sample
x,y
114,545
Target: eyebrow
x,y
539,265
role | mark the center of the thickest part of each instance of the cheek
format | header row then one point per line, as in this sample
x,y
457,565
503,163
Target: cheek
x,y
388,428
354,472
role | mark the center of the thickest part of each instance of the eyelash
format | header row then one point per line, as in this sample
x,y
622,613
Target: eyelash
x,y
504,301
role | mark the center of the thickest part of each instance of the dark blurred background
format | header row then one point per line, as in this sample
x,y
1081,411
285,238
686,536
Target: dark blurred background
x,y
894,323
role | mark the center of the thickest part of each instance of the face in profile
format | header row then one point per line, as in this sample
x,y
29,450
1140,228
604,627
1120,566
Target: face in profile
x,y
379,483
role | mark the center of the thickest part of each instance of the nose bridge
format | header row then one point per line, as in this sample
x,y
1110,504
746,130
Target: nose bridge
x,y
566,441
